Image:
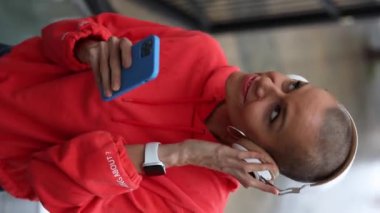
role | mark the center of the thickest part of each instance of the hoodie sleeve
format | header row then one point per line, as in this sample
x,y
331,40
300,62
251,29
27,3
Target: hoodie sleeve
x,y
60,38
83,171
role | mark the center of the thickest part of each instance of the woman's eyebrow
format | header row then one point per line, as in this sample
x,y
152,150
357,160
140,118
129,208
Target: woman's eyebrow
x,y
285,110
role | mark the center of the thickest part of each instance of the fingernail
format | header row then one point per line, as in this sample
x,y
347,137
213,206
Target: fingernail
x,y
127,65
276,192
116,87
109,94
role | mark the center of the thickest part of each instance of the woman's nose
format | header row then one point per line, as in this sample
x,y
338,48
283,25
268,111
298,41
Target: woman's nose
x,y
266,87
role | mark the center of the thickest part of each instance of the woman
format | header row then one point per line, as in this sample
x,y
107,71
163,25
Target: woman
x,y
63,146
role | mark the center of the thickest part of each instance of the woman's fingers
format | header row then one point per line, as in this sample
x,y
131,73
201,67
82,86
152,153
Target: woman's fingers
x,y
230,161
107,58
104,68
242,170
94,63
273,169
250,167
126,52
263,187
251,146
114,62
263,156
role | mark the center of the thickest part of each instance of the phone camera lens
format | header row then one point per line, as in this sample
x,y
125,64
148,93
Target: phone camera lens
x,y
146,48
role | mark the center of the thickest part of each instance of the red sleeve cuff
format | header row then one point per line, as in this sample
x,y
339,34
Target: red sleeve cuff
x,y
129,169
70,39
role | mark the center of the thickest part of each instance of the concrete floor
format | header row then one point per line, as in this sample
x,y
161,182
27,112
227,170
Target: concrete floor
x,y
330,55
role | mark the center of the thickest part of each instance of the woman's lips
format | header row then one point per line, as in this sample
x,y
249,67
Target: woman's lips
x,y
247,84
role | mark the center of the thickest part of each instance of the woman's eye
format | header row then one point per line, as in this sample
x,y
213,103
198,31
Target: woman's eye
x,y
275,113
294,85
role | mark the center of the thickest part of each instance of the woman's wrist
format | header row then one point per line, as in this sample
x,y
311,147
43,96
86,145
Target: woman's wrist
x,y
197,153
172,154
169,154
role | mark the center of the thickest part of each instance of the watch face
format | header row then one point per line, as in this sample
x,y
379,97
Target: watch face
x,y
154,170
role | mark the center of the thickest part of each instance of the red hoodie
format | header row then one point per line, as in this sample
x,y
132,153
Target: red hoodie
x,y
62,145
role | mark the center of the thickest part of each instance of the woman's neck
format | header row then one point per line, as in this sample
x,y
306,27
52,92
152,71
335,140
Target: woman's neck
x,y
217,123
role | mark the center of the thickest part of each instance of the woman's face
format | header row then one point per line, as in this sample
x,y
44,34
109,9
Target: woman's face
x,y
273,110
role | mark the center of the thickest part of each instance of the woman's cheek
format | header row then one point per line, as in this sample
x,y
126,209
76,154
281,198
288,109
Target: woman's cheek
x,y
252,118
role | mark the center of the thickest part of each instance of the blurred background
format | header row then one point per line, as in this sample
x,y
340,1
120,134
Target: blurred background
x,y
333,43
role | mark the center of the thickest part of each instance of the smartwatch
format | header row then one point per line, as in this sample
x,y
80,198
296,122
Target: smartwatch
x,y
152,165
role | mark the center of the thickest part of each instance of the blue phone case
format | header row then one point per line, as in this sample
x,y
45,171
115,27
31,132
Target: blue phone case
x,y
145,66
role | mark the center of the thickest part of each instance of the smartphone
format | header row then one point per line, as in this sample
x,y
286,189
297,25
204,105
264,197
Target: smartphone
x,y
259,175
144,68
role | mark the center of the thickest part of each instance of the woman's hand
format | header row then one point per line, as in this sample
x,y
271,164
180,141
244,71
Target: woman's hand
x,y
231,161
106,59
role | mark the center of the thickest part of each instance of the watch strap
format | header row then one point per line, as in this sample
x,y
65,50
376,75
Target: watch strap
x,y
151,153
